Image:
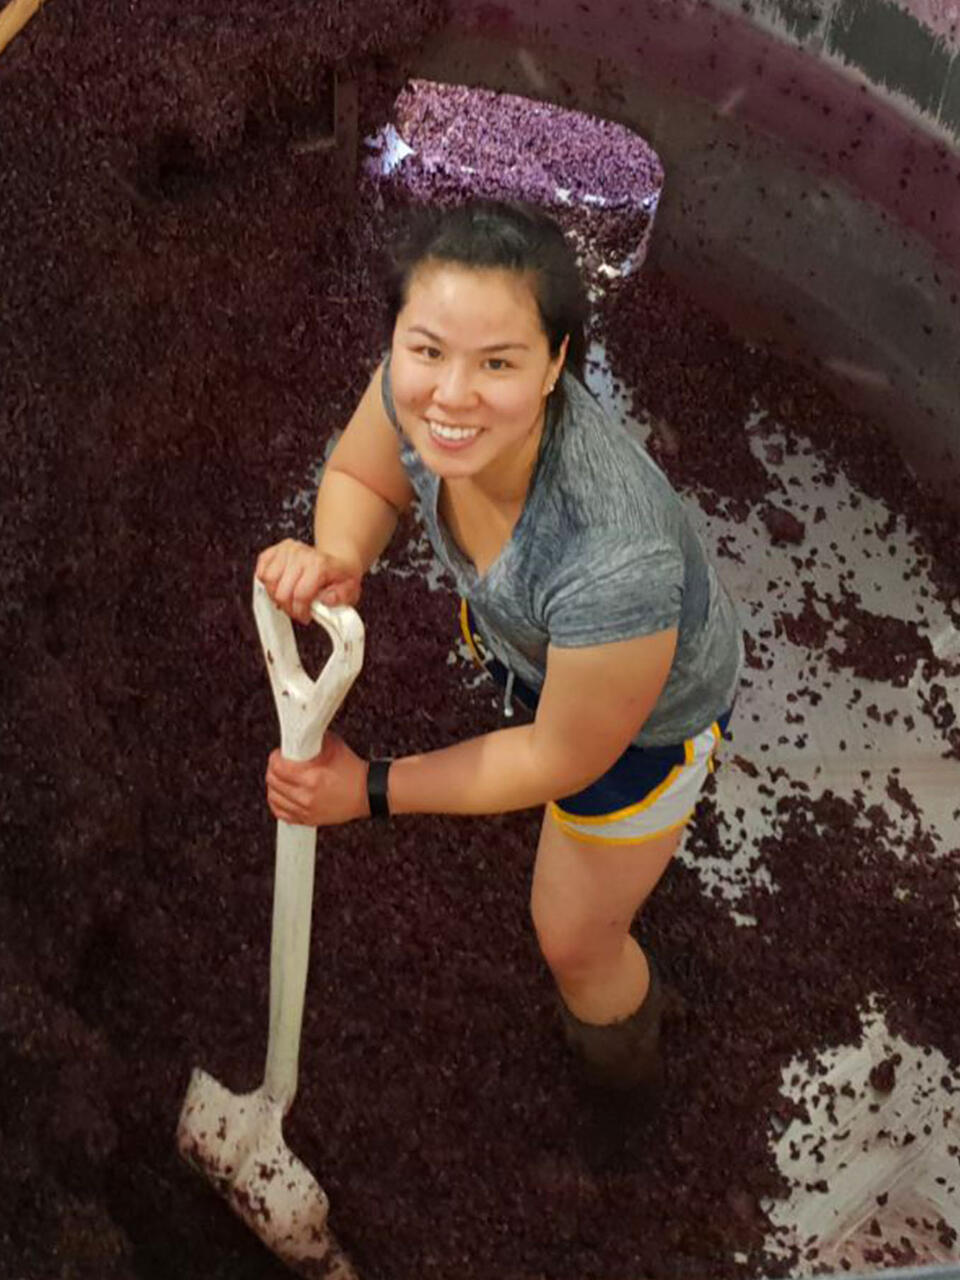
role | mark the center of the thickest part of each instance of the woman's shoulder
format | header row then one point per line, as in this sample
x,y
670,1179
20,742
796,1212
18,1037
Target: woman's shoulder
x,y
589,426
602,465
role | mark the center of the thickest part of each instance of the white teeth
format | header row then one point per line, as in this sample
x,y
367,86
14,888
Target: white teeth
x,y
453,433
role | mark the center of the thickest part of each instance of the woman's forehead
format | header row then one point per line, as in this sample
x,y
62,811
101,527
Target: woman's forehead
x,y
472,301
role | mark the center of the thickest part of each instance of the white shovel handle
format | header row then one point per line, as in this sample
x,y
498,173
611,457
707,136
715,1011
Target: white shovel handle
x,y
305,708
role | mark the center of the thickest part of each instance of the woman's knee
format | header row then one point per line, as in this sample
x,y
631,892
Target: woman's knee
x,y
584,898
576,947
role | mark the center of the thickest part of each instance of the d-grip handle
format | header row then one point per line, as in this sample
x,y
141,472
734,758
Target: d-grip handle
x,y
305,707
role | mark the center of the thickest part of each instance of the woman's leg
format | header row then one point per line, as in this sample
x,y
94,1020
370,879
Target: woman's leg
x,y
583,900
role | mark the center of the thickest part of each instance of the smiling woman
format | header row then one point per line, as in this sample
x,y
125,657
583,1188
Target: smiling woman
x,y
585,589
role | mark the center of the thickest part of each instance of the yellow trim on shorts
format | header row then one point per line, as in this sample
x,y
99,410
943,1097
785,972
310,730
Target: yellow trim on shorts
x,y
586,838
604,819
717,739
648,800
467,635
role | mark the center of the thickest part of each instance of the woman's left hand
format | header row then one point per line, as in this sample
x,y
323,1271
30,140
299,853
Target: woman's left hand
x,y
325,791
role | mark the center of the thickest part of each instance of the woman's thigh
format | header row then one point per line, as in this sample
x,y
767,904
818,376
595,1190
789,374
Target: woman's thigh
x,y
586,894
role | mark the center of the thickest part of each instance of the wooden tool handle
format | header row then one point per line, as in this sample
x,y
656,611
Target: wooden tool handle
x,y
14,17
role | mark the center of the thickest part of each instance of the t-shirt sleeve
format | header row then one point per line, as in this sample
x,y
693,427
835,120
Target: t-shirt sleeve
x,y
609,587
386,393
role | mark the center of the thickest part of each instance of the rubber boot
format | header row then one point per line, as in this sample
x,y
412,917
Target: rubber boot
x,y
622,1080
622,1056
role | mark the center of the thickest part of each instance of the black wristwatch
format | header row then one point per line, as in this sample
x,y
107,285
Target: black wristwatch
x,y
377,773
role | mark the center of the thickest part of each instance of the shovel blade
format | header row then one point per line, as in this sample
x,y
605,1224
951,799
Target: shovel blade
x,y
236,1141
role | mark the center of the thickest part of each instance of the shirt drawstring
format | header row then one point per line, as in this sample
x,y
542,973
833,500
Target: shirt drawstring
x,y
508,695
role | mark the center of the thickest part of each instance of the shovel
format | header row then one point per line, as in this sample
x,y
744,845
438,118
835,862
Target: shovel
x,y
236,1140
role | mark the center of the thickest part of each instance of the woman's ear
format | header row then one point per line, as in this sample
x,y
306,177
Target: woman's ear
x,y
556,364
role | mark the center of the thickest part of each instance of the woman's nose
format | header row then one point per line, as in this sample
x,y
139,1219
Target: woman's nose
x,y
454,385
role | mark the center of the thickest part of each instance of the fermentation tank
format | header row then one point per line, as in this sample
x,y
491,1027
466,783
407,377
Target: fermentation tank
x,y
804,225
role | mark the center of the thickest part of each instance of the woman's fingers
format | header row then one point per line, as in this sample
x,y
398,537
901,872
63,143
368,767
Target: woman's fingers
x,y
285,814
286,584
294,796
296,586
289,789
287,778
267,570
295,574
308,585
283,805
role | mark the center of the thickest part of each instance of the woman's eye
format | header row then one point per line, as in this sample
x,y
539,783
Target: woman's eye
x,y
496,364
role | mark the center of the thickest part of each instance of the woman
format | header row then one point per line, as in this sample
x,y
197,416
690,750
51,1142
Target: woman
x,y
582,578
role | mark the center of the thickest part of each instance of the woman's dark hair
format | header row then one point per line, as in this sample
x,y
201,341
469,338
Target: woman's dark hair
x,y
508,234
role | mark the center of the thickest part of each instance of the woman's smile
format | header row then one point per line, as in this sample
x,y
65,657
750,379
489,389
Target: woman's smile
x,y
449,437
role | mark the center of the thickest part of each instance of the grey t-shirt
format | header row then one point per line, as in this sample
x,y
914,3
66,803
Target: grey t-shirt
x,y
603,550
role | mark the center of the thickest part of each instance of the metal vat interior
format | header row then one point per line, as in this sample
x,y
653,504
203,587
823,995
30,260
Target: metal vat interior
x,y
798,207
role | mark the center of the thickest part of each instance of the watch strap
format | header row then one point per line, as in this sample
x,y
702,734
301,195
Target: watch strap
x,y
377,773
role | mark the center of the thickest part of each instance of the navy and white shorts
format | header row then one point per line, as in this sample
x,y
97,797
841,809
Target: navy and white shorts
x,y
647,792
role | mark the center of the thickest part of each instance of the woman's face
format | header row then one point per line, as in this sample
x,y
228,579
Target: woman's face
x,y
471,369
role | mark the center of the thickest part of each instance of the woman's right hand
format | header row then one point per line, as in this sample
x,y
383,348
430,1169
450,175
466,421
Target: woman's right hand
x,y
295,574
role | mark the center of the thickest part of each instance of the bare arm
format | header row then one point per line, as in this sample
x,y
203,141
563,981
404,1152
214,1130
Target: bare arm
x,y
364,488
362,493
594,701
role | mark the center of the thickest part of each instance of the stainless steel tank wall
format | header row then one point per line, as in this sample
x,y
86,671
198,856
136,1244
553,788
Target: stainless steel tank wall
x,y
907,50
808,200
